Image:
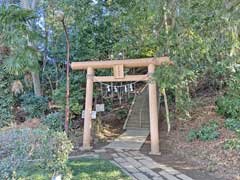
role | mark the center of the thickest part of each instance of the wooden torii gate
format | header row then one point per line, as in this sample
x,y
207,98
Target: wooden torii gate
x,y
118,67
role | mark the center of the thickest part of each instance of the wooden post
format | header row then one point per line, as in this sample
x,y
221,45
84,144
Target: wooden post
x,y
88,110
153,111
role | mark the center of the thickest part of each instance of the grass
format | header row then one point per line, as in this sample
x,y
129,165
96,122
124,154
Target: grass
x,y
87,169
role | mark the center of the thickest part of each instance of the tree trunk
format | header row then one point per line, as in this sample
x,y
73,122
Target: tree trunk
x,y
67,108
166,109
36,83
165,16
35,75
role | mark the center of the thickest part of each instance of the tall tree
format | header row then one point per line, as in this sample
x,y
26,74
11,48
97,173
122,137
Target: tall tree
x,y
35,73
61,18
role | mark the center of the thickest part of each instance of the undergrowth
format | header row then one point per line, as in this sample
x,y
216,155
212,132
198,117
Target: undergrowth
x,y
208,131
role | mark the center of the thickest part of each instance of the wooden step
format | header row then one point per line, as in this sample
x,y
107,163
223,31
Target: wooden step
x,y
135,124
139,117
138,127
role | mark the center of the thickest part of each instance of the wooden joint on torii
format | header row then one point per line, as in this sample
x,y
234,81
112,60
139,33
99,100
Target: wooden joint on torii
x,y
119,76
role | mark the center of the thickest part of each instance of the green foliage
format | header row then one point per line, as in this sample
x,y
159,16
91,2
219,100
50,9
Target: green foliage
x,y
76,96
23,149
14,14
16,34
232,144
6,99
92,33
192,135
54,121
96,169
35,106
122,113
229,104
232,124
84,168
167,76
207,132
176,80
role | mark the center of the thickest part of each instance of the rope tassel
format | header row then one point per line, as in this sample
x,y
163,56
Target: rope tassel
x,y
115,89
131,87
125,89
108,88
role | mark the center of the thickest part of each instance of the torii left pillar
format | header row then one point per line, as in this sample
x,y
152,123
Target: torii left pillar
x,y
88,110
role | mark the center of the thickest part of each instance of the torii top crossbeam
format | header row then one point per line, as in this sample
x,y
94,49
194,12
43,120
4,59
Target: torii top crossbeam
x,y
144,62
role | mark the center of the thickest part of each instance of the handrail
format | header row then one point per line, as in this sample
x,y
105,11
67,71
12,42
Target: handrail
x,y
140,121
129,112
131,107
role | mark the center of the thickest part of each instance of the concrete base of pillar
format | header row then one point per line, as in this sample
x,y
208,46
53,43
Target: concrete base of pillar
x,y
155,154
86,148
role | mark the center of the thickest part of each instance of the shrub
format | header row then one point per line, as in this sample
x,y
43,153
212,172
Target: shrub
x,y
35,106
54,121
229,104
24,149
122,113
232,124
192,135
232,144
207,132
76,95
6,99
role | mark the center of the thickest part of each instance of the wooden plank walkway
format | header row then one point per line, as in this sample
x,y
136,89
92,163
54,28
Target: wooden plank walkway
x,y
132,139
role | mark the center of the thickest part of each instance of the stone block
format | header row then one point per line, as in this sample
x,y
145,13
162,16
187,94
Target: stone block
x,y
148,171
141,176
149,163
158,178
168,176
184,177
134,162
119,160
129,167
169,170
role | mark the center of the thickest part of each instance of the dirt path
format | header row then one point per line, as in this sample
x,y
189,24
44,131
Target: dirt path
x,y
182,164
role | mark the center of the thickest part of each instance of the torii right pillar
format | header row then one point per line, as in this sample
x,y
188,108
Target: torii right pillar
x,y
153,111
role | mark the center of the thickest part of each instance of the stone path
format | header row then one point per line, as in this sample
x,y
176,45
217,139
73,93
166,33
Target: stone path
x,y
131,139
141,167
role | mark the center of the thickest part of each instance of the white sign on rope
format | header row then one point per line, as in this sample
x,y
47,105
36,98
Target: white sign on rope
x,y
94,114
100,107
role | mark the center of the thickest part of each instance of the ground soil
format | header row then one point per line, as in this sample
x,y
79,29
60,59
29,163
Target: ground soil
x,y
199,159
104,133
